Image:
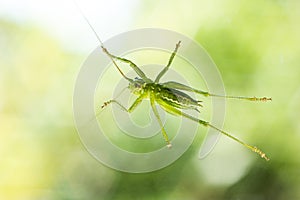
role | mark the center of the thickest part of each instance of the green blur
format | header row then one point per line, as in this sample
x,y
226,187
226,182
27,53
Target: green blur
x,y
256,46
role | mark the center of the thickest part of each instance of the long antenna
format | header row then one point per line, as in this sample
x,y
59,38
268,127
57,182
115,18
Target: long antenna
x,y
88,22
101,43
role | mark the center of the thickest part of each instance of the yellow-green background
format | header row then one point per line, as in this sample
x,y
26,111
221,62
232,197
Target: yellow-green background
x,y
256,46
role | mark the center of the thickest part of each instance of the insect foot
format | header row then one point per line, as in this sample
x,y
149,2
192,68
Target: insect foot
x,y
178,45
261,99
104,50
262,154
105,104
169,146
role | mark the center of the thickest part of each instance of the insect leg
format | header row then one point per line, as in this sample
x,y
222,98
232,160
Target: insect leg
x,y
169,63
179,86
163,131
131,64
101,43
175,111
130,109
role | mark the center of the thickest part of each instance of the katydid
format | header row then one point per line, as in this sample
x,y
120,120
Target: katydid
x,y
168,95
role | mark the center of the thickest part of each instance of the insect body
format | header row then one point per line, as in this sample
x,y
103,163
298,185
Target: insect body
x,y
168,95
170,98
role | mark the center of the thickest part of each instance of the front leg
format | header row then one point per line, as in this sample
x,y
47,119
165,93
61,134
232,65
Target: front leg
x,y
131,64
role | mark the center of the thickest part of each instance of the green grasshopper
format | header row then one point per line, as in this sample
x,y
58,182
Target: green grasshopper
x,y
168,95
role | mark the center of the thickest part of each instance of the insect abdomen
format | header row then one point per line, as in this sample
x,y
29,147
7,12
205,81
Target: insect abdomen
x,y
175,98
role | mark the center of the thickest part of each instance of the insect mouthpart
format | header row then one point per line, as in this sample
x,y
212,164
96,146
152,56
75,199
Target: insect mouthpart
x,y
137,86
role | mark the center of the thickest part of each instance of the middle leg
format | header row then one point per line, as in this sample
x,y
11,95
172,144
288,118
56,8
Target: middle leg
x,y
163,131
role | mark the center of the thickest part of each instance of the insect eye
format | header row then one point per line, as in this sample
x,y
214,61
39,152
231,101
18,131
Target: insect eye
x,y
137,85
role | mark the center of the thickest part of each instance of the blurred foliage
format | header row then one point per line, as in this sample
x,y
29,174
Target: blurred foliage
x,y
256,46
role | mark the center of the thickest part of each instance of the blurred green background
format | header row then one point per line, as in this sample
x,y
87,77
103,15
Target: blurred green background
x,y
256,46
